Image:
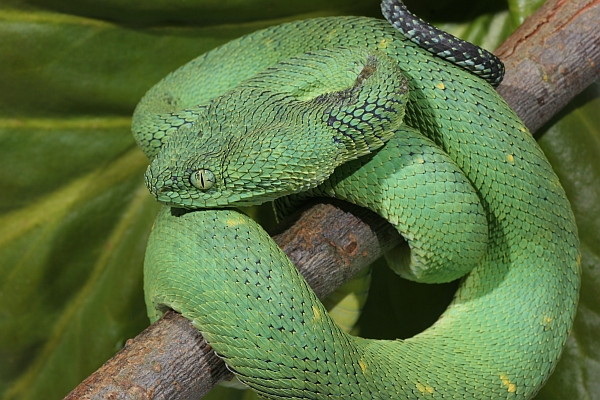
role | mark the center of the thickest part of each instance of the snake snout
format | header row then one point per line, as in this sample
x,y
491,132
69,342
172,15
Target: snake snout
x,y
162,184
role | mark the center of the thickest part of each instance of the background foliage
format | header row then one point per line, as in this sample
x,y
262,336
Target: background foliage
x,y
75,215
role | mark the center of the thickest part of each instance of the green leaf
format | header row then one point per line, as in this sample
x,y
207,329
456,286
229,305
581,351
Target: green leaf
x,y
74,212
71,251
521,9
198,12
58,64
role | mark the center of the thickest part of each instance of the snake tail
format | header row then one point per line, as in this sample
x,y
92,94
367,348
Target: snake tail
x,y
472,58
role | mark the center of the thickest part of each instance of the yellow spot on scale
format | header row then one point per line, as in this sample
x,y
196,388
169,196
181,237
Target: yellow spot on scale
x,y
332,33
510,158
440,86
231,222
362,366
548,319
579,259
316,312
420,160
523,129
382,44
511,387
424,388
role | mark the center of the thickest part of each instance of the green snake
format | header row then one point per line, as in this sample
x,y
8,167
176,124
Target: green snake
x,y
349,107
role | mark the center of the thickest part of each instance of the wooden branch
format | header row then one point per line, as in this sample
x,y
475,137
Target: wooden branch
x,y
152,364
329,241
549,60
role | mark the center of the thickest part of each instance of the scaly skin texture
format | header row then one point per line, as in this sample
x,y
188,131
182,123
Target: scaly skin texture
x,y
474,195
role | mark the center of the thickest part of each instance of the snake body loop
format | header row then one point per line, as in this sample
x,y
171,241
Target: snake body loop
x,y
429,146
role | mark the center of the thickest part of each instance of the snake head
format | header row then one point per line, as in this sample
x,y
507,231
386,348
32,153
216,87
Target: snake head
x,y
213,165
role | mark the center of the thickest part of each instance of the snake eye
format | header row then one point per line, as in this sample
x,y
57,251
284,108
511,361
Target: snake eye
x,y
203,179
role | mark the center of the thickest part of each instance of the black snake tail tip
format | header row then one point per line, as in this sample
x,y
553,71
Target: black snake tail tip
x,y
444,45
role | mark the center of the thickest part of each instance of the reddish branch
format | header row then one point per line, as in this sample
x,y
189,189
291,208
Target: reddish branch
x,y
551,58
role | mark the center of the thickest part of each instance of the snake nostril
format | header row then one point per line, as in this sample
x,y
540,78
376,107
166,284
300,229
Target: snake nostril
x,y
165,189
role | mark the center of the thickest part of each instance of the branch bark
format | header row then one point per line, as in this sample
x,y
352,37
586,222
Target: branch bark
x,y
551,58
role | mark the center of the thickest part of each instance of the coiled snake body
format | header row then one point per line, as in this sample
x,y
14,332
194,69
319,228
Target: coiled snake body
x,y
349,107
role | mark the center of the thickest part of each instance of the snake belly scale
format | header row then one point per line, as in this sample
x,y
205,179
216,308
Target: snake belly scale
x,y
349,107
